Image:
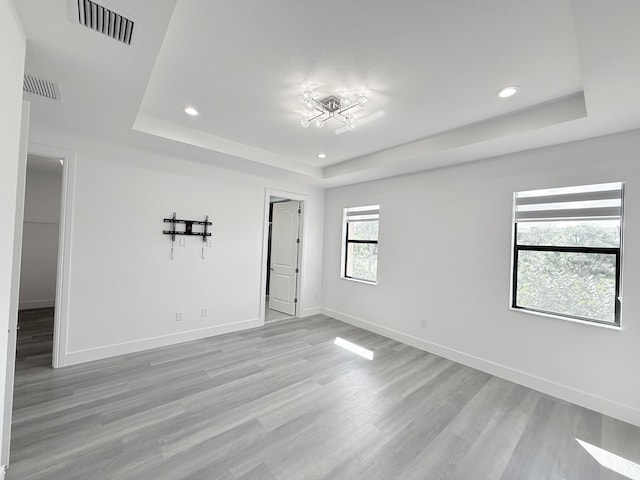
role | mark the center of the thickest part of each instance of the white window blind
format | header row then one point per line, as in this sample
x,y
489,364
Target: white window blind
x,y
602,201
362,214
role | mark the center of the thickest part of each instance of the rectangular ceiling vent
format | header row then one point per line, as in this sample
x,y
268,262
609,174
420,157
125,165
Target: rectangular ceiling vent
x,y
42,88
105,21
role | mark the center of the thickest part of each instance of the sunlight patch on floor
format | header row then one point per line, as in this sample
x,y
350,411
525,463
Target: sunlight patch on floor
x,y
612,461
352,347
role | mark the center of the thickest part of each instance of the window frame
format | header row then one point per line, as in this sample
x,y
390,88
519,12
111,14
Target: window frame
x,y
571,216
347,241
617,251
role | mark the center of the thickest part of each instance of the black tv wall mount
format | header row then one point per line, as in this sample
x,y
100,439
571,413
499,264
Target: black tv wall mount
x,y
188,230
188,227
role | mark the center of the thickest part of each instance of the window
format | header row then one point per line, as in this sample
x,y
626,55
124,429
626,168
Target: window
x,y
360,248
567,252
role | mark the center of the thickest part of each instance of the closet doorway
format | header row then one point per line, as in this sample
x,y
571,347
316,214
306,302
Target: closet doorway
x,y
39,258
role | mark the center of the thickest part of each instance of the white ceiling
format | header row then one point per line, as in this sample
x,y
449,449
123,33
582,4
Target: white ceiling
x,y
430,68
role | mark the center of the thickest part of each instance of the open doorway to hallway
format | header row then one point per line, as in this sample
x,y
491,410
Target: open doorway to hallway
x,y
283,258
39,259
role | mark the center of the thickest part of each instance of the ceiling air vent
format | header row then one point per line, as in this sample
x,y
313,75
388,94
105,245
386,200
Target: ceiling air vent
x,y
105,21
42,88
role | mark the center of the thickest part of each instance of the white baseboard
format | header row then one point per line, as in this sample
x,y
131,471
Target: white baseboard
x,y
82,356
307,312
588,400
31,304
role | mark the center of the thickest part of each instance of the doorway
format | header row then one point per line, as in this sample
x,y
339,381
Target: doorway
x,y
283,254
39,258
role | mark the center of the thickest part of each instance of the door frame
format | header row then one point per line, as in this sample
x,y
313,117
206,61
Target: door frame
x,y
268,193
14,292
61,315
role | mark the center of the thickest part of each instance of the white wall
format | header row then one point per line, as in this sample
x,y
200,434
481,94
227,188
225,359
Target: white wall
x,y
125,290
12,51
40,238
445,254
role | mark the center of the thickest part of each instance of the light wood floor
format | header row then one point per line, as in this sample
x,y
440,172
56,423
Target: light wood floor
x,y
284,402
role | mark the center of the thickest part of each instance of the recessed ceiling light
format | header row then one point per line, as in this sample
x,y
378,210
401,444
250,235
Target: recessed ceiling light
x,y
191,111
509,91
322,155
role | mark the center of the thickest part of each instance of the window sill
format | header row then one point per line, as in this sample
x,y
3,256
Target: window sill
x,y
567,319
357,280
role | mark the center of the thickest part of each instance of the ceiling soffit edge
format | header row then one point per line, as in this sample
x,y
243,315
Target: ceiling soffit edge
x,y
554,112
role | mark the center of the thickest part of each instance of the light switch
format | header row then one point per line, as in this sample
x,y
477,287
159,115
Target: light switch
x,y
183,242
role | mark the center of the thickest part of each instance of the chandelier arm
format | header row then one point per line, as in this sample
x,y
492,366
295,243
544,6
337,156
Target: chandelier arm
x,y
340,117
317,116
342,110
318,105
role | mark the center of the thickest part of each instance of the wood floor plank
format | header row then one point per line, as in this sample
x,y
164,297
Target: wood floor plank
x,y
284,402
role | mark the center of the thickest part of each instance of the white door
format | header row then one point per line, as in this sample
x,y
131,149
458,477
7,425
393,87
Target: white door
x,y
285,241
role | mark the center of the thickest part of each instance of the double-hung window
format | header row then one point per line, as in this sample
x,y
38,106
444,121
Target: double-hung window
x,y
567,252
360,247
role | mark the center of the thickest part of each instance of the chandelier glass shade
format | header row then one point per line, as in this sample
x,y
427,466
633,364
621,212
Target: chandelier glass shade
x,y
319,111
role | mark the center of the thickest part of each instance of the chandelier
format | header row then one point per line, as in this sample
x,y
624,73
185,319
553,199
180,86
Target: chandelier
x,y
319,111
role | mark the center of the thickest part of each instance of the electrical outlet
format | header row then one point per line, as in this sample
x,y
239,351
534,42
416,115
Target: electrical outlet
x,y
178,316
209,242
203,312
423,323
